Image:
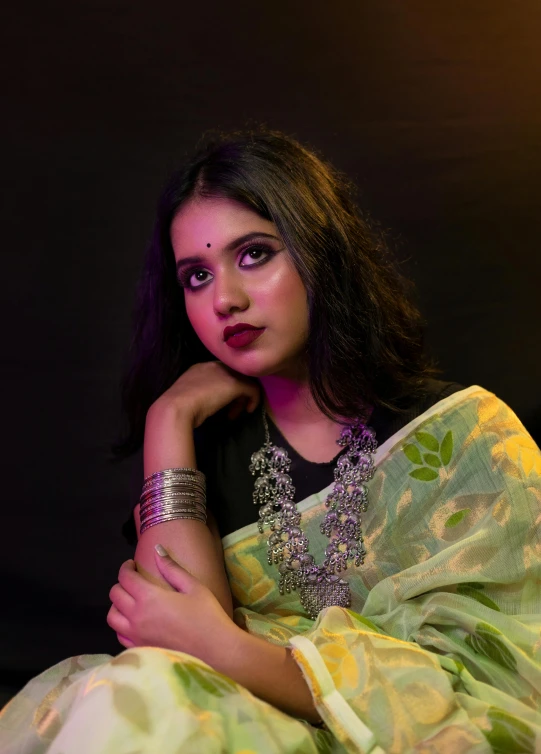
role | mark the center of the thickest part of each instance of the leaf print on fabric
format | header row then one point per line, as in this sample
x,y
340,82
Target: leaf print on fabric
x,y
366,622
509,735
130,704
456,518
477,507
429,461
486,641
210,681
324,742
181,671
473,584
413,454
428,441
446,449
475,594
424,474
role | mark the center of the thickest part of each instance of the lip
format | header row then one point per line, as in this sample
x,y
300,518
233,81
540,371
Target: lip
x,y
241,335
239,327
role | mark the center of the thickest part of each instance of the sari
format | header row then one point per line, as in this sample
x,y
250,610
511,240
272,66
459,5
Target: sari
x,y
440,650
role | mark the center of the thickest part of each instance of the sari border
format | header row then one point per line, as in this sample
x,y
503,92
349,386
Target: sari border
x,y
327,695
438,408
380,455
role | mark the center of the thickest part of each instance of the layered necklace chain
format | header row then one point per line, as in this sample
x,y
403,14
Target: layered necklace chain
x,y
319,586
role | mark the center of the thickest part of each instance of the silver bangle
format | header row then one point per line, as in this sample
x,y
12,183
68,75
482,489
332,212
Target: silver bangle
x,y
173,494
149,524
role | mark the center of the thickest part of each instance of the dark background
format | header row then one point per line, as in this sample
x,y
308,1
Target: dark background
x,y
433,108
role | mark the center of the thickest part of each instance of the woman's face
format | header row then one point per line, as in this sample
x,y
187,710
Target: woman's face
x,y
243,294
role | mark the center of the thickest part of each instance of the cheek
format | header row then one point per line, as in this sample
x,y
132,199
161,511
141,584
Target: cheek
x,y
197,316
290,297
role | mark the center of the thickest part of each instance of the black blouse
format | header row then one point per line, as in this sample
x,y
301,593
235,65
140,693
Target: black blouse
x,y
224,449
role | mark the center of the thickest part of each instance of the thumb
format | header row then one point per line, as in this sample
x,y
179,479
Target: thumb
x,y
172,572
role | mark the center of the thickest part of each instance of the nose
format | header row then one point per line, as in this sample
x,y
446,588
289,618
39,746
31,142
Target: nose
x,y
230,295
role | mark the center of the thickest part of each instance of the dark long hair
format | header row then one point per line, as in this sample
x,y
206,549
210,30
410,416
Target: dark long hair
x,y
365,340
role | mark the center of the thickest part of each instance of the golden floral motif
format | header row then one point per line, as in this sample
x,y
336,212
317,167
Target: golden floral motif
x,y
488,408
523,452
415,696
341,664
249,582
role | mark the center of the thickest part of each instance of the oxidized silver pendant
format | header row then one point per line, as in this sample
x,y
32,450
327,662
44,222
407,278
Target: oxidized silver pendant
x,y
318,586
325,590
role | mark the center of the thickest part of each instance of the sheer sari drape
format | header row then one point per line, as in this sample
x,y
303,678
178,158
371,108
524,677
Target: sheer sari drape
x,y
439,652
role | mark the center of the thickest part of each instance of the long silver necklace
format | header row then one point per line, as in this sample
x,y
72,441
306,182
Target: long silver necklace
x,y
319,586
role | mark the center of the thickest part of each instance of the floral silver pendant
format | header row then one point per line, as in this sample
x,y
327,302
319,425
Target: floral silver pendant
x,y
318,586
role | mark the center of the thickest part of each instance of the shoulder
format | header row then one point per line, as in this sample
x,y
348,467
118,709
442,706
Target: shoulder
x,y
386,422
435,391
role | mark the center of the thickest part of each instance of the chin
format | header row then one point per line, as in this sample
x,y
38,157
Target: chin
x,y
250,364
285,369
249,369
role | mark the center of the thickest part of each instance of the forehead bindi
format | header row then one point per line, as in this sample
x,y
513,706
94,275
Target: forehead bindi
x,y
203,224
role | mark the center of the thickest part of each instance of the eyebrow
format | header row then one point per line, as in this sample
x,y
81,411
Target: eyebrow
x,y
230,247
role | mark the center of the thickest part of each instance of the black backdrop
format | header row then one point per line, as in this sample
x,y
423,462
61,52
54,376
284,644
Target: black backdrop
x,y
433,108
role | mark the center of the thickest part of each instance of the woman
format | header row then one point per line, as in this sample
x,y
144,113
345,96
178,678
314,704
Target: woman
x,y
272,325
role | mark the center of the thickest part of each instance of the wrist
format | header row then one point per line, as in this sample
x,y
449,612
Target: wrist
x,y
223,655
168,440
170,413
268,670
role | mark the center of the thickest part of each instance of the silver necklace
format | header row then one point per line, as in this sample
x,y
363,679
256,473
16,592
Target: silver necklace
x,y
319,586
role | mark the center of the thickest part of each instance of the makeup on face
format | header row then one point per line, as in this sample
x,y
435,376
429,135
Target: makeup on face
x,y
252,250
241,335
243,294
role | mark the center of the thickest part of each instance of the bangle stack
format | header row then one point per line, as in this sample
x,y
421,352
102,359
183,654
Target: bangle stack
x,y
171,494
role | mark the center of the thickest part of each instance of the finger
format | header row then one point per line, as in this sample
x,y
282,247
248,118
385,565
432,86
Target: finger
x,y
118,622
123,601
172,572
132,581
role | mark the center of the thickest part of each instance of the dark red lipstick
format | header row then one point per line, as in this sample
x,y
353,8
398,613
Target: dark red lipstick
x,y
241,335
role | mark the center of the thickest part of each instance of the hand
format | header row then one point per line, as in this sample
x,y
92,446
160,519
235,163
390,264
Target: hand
x,y
189,619
206,388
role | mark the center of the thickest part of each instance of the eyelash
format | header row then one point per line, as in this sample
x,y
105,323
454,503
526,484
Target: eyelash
x,y
186,274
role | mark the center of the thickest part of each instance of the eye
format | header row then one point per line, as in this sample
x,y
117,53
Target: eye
x,y
192,279
199,277
255,255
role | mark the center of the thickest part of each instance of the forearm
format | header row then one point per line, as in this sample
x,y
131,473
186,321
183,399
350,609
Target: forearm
x,y
267,670
169,444
191,545
270,673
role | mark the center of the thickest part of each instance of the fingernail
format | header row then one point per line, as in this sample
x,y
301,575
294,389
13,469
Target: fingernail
x,y
162,552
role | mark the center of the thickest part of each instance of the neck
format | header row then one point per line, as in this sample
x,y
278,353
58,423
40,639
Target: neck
x,y
292,408
290,401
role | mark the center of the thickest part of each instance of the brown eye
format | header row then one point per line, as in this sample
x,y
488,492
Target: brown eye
x,y
255,255
197,278
192,279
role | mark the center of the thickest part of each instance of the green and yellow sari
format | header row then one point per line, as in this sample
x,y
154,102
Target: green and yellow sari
x,y
440,651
